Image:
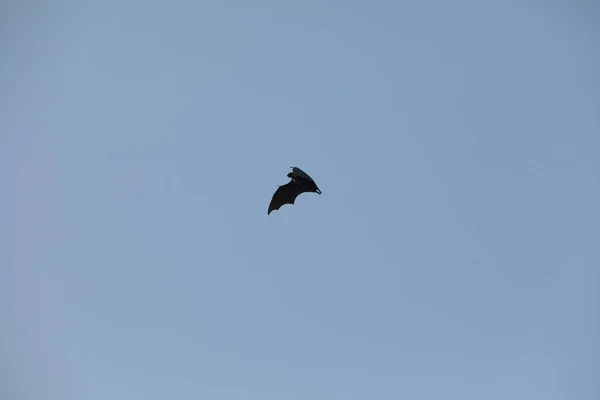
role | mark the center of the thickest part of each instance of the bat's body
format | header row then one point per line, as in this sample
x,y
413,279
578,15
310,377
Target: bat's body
x,y
286,194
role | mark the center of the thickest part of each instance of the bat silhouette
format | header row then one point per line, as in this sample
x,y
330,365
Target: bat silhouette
x,y
286,194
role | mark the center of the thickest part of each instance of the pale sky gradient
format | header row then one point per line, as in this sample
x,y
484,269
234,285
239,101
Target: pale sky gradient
x,y
454,253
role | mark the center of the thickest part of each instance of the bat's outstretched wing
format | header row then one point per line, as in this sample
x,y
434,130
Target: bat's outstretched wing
x,y
285,194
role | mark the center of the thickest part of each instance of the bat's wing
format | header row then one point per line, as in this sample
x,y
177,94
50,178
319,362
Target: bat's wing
x,y
304,179
301,174
285,194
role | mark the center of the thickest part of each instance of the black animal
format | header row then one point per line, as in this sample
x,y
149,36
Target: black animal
x,y
286,194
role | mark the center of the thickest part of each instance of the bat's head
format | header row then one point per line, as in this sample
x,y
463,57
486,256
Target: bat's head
x,y
290,175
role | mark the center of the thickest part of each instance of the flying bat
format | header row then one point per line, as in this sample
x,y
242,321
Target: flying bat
x,y
286,194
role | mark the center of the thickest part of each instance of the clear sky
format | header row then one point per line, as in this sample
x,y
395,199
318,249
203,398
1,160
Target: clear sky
x,y
453,254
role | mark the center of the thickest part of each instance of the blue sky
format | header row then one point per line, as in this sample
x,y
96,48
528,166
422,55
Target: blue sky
x,y
454,251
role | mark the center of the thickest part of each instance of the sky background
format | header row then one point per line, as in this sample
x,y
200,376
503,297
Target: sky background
x,y
453,254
